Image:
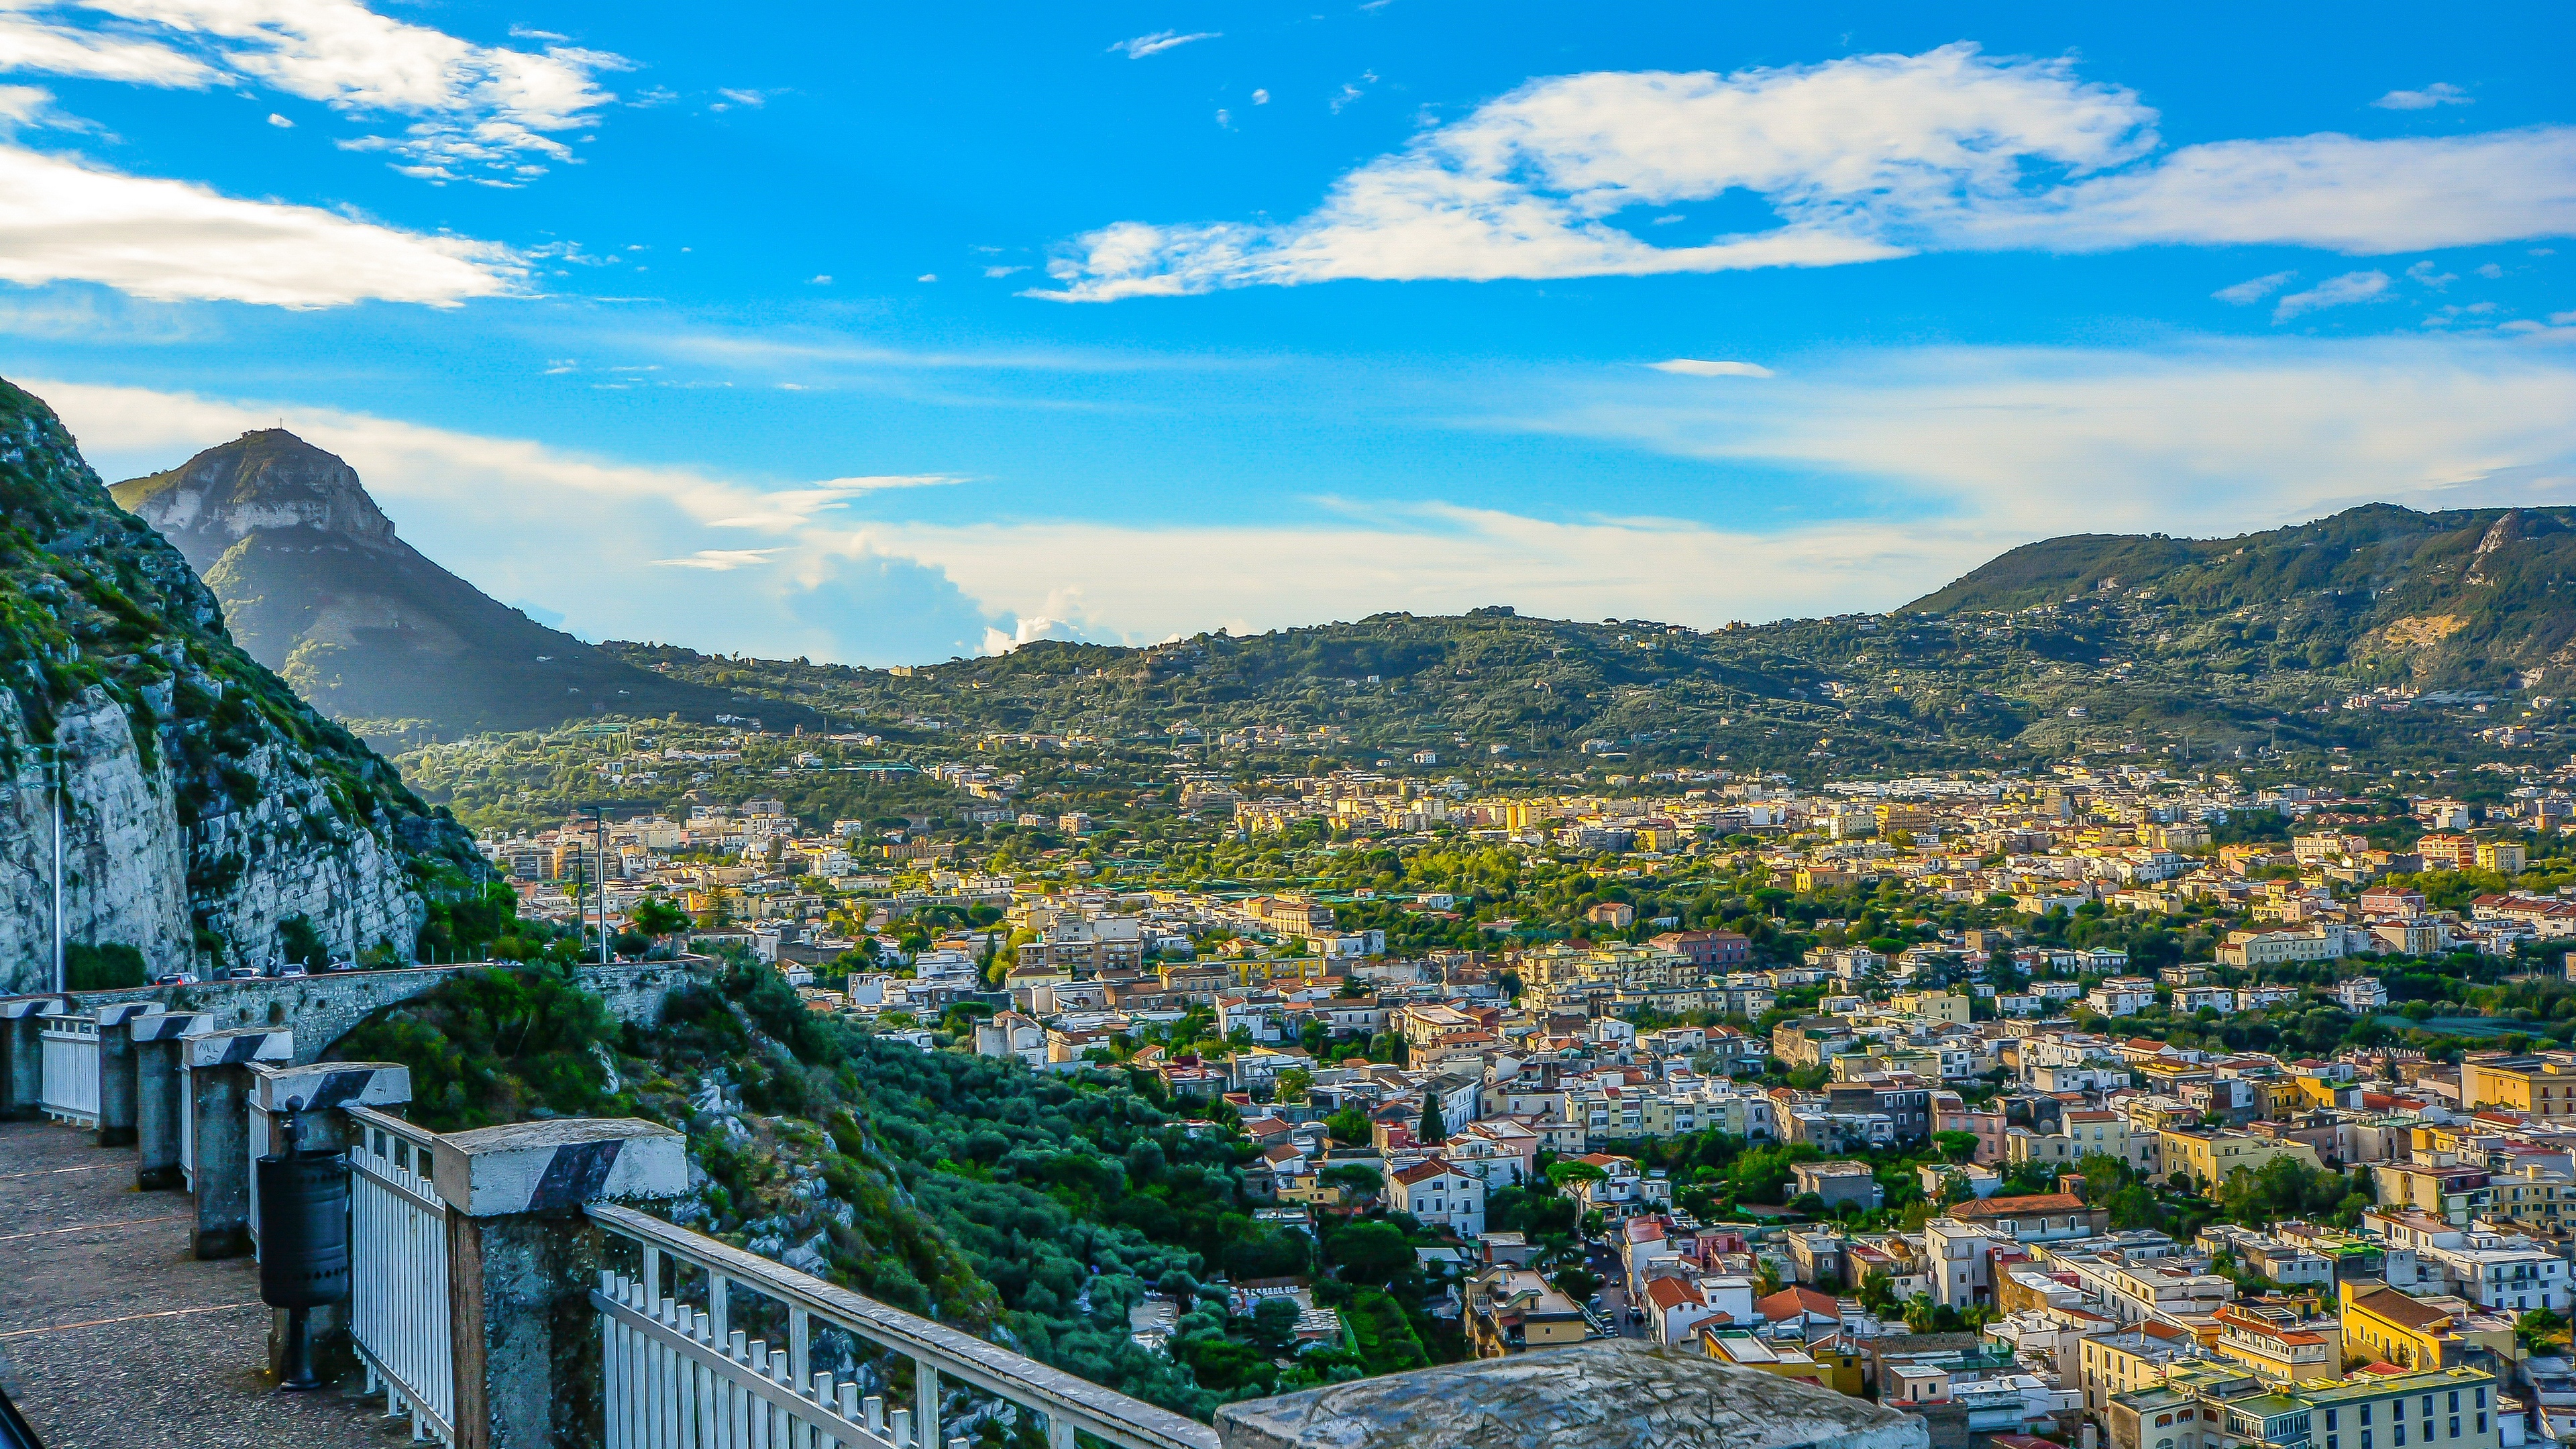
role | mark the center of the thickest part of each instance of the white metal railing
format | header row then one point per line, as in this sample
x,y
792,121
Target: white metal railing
x,y
670,1381
676,1375
398,1282
70,1086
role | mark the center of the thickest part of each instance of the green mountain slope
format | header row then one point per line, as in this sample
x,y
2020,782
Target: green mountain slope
x,y
2466,598
207,808
2200,648
319,589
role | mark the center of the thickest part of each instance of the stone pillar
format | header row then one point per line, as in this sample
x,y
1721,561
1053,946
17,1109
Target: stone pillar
x,y
219,1067
116,1069
522,1261
157,1103
22,1054
319,1092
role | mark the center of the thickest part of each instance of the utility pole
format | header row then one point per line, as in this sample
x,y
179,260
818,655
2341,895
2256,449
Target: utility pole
x,y
62,980
599,825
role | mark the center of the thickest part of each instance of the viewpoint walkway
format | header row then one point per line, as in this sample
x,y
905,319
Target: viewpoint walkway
x,y
116,1337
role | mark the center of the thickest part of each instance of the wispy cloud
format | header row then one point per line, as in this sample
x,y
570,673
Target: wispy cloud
x,y
2252,290
2439,93
2340,291
70,220
1696,367
1863,159
1160,41
792,509
488,113
720,560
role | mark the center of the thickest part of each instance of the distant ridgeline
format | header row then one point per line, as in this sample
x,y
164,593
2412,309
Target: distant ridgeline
x,y
2204,647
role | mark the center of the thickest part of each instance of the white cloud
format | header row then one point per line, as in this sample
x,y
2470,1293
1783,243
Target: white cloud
x,y
487,112
2340,291
279,121
1695,367
67,220
1261,98
2431,275
2205,439
2254,289
720,560
1160,41
791,509
33,47
2439,93
1028,631
1861,159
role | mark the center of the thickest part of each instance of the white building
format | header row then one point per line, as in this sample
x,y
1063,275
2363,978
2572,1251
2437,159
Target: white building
x,y
1439,1195
2512,1275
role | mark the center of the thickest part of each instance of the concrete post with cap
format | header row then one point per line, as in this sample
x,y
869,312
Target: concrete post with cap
x,y
158,1102
522,1259
116,1068
219,1120
22,1054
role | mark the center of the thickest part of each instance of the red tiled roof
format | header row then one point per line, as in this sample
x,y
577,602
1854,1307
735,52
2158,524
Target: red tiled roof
x,y
1792,1302
1672,1292
2013,1207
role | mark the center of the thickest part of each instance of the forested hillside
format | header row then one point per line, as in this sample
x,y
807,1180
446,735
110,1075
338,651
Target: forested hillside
x,y
2199,648
1032,1209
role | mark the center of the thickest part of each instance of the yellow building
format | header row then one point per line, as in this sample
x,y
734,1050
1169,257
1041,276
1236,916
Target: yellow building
x,y
2210,1155
1742,1349
2132,1359
2538,1198
2382,1325
1513,1310
2501,856
2542,1084
1932,1006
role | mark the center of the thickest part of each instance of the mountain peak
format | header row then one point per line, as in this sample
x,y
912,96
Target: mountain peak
x,y
264,481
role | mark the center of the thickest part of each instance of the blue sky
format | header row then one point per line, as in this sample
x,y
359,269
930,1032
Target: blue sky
x,y
887,336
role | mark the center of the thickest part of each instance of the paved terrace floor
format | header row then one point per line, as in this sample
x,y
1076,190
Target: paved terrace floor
x,y
113,1337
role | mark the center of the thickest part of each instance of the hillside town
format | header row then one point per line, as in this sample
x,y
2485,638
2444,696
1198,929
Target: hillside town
x,y
1931,1151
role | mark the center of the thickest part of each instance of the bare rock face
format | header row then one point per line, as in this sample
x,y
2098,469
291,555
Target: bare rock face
x,y
205,806
1608,1395
316,586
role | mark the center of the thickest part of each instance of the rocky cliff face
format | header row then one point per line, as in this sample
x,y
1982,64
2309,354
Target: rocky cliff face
x,y
317,587
206,806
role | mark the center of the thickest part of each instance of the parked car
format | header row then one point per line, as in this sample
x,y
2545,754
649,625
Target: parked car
x,y
242,973
341,966
292,968
175,978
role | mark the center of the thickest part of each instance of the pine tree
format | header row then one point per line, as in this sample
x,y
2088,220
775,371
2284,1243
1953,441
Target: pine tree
x,y
1433,1128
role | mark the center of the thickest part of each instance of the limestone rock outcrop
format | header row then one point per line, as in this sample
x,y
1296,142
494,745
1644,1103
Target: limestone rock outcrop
x,y
1614,1394
316,586
206,806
